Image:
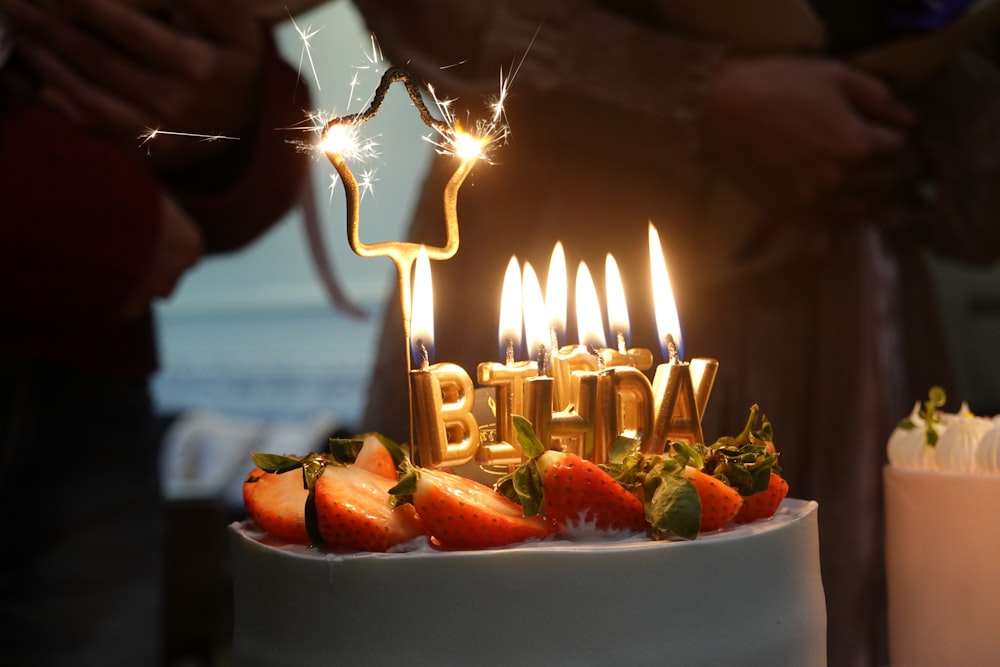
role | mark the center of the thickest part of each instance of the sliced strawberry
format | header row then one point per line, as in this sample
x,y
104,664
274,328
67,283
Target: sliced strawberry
x,y
376,457
577,493
460,513
720,503
354,510
764,504
276,503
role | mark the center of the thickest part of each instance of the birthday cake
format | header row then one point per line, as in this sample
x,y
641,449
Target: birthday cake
x,y
461,573
941,486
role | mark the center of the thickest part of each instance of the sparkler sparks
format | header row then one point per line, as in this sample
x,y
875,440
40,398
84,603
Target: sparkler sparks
x,y
306,34
451,139
151,134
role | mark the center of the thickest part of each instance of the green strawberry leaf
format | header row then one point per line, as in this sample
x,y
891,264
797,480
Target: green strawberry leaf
x,y
407,484
527,485
395,449
312,467
530,444
686,454
622,448
744,461
625,464
344,450
766,431
524,487
312,518
671,502
276,463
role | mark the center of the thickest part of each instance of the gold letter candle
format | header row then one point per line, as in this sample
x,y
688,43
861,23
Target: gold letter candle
x,y
442,396
678,411
508,378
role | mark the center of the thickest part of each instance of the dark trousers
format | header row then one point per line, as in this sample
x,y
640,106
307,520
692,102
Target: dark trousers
x,y
81,519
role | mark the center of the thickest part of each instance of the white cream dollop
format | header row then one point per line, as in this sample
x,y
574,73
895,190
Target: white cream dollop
x,y
988,452
957,445
908,448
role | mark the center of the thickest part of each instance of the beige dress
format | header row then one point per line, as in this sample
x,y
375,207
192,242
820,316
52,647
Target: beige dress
x,y
831,330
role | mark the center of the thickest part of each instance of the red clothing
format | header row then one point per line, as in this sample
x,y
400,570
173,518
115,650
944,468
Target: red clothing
x,y
78,219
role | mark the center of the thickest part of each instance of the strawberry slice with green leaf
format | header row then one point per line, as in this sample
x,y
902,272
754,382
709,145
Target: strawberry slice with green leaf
x,y
275,494
460,513
354,510
380,455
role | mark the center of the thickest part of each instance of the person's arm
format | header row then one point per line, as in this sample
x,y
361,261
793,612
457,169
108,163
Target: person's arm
x,y
79,222
798,131
572,65
211,70
130,239
790,131
269,166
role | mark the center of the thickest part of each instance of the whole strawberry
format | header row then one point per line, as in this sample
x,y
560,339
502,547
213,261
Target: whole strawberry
x,y
720,503
764,504
577,494
573,494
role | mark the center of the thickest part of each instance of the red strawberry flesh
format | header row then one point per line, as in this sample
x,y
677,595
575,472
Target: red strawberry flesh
x,y
276,503
461,513
577,493
354,511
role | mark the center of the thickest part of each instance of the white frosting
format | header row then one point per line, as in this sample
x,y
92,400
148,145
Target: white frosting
x,y
908,447
988,452
966,443
751,595
956,447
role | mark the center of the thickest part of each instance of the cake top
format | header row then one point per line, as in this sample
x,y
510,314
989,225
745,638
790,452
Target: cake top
x,y
364,494
935,441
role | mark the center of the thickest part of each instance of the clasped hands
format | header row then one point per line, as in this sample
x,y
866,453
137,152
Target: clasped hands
x,y
806,137
122,70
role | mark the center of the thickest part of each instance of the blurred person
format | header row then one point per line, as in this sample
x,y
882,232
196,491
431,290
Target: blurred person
x,y
796,198
95,225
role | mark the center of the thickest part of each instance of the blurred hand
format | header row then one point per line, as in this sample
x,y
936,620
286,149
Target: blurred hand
x,y
805,134
112,66
176,248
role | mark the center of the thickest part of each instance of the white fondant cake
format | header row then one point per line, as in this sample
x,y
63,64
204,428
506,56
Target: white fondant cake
x,y
751,595
942,546
942,542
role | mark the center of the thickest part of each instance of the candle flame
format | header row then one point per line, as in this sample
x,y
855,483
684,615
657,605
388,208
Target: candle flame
x,y
422,315
618,319
668,325
589,323
534,312
510,311
555,291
